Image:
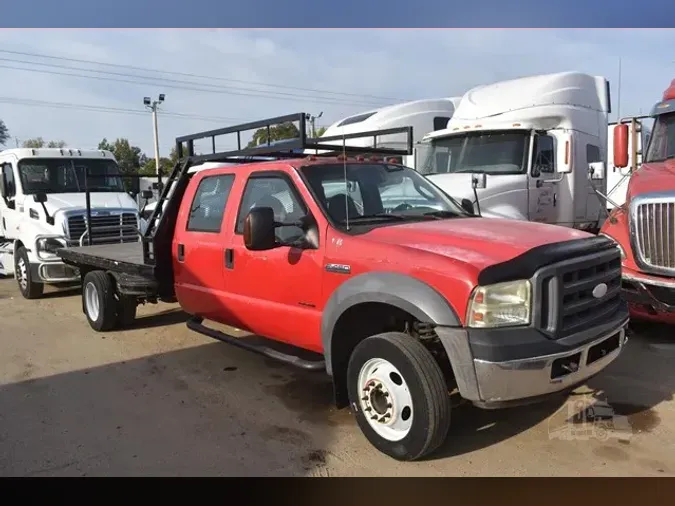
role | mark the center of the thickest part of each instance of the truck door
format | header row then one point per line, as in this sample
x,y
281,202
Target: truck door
x,y
199,247
9,214
275,293
542,183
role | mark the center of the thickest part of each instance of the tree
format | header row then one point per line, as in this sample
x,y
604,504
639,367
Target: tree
x,y
149,168
129,158
278,132
39,142
4,133
321,131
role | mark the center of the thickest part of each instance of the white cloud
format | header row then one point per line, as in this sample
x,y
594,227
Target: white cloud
x,y
403,64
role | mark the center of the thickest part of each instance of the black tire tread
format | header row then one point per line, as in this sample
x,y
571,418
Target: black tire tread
x,y
433,385
105,286
34,290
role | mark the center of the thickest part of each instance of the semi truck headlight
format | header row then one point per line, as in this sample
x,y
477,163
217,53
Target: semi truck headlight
x,y
616,243
47,246
501,305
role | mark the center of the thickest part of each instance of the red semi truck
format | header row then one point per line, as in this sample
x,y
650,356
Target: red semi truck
x,y
400,300
644,227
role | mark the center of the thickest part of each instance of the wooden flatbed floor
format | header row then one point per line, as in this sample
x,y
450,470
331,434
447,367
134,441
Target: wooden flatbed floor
x,y
122,257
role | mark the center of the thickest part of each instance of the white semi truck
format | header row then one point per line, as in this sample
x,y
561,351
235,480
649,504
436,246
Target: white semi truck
x,y
533,148
43,208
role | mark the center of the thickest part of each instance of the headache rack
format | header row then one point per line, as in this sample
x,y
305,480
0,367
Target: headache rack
x,y
156,240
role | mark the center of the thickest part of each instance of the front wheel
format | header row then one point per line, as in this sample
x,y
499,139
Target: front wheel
x,y
399,395
27,286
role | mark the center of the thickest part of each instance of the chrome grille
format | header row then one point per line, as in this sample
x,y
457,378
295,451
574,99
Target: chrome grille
x,y
654,235
567,303
107,229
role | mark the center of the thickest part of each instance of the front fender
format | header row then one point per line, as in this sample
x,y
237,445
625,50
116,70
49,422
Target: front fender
x,y
404,292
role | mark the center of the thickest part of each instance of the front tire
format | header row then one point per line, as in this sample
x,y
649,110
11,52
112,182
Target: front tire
x,y
98,301
399,395
27,286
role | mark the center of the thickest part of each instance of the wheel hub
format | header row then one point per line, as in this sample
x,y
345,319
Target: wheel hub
x,y
385,399
22,273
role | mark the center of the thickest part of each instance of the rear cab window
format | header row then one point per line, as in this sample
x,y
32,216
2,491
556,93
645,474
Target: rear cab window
x,y
208,205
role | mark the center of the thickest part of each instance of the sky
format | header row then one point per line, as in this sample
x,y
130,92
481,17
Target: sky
x,y
218,77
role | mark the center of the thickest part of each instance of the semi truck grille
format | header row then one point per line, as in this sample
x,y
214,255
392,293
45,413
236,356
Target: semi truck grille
x,y
568,303
654,236
113,228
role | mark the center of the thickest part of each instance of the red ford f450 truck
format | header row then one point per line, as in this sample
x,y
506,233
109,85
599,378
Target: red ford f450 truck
x,y
644,227
364,269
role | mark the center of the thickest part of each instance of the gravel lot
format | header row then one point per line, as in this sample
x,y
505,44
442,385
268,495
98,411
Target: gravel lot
x,y
162,400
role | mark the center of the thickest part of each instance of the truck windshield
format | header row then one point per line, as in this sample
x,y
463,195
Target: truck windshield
x,y
485,152
66,175
377,191
662,143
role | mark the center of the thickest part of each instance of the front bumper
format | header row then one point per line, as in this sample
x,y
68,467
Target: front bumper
x,y
647,295
54,272
553,367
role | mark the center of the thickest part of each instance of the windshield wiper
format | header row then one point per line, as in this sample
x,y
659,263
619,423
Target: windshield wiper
x,y
441,214
396,217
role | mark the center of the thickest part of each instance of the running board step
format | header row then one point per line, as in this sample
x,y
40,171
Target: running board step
x,y
261,346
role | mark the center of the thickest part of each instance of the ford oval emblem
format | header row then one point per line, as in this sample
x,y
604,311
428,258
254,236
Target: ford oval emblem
x,y
600,291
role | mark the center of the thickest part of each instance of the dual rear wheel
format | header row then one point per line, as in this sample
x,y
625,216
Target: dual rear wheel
x,y
104,307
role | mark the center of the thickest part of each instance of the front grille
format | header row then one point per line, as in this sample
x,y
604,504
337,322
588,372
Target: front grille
x,y
108,229
654,235
567,303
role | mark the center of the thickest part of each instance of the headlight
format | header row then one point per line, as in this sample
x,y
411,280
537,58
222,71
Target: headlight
x,y
616,243
49,245
500,305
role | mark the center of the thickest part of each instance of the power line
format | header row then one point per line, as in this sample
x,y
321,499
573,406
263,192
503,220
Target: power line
x,y
181,85
185,74
115,110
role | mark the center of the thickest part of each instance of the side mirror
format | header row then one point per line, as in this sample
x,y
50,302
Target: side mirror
x,y
479,181
467,205
40,197
147,194
135,186
596,170
621,145
259,228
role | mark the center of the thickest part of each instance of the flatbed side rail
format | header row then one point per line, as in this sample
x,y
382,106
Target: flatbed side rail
x,y
87,238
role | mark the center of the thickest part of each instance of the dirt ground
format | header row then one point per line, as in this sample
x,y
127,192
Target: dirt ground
x,y
162,400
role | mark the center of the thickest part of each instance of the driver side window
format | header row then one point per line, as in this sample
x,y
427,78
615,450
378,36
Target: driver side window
x,y
8,179
543,155
277,192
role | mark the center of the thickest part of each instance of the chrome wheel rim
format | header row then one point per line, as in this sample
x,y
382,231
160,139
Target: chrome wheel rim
x,y
22,274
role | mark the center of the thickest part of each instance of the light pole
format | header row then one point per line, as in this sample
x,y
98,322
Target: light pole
x,y
312,122
152,106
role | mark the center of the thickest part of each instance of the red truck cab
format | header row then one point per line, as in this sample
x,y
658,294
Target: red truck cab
x,y
644,227
364,269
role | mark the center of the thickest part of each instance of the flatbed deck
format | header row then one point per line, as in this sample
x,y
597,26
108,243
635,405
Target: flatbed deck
x,y
124,257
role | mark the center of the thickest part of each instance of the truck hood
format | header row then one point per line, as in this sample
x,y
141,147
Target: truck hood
x,y
68,201
652,177
481,242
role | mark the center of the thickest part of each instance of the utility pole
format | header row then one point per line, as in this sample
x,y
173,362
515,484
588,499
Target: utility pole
x,y
312,122
152,106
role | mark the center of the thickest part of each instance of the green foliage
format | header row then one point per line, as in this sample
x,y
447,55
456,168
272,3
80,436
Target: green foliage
x,y
277,132
39,142
4,133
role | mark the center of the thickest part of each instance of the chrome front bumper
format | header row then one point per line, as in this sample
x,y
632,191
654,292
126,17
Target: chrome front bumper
x,y
539,376
501,384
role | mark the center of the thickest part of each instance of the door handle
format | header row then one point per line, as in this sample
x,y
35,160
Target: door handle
x,y
181,252
555,199
229,258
